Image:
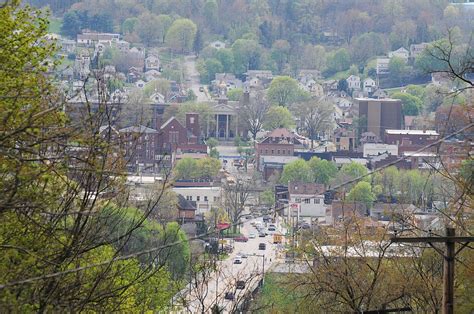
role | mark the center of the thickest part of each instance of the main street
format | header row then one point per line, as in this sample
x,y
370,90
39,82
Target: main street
x,y
227,274
193,79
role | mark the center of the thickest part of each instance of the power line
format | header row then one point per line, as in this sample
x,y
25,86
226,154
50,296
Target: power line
x,y
132,255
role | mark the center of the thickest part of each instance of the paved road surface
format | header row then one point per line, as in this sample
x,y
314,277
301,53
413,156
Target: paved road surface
x,y
249,271
193,79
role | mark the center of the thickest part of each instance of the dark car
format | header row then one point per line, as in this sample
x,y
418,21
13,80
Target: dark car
x,y
240,284
241,239
201,89
262,246
262,234
229,296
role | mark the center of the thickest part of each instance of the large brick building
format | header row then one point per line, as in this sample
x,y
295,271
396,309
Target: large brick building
x,y
279,144
150,150
411,140
378,115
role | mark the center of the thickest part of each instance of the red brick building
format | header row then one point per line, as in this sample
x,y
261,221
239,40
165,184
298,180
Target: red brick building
x,y
150,150
411,140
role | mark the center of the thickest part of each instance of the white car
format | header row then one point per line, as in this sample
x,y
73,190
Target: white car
x,y
238,259
252,236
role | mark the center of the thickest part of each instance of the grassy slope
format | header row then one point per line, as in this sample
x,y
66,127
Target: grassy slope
x,y
55,25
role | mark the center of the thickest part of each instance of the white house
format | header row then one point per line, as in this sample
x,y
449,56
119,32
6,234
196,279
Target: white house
x,y
417,49
151,75
217,44
152,63
382,65
91,39
310,197
157,98
205,197
401,53
140,84
369,85
353,82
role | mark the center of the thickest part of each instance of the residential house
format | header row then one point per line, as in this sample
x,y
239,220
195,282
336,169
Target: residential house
x,y
227,80
309,197
206,197
306,75
82,65
353,82
345,139
152,63
187,215
369,137
340,211
140,84
152,75
417,49
121,45
369,85
379,94
91,39
382,65
67,45
217,44
157,98
411,140
401,53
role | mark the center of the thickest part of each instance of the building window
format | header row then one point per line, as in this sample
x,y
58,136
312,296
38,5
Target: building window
x,y
174,136
189,198
191,120
307,201
283,152
198,198
216,198
273,151
205,198
278,152
317,201
298,200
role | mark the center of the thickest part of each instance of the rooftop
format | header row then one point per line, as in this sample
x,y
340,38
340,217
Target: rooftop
x,y
412,132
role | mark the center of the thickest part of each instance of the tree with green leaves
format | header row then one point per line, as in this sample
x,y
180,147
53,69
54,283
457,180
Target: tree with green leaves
x,y
397,68
278,117
235,94
208,69
323,171
362,192
208,167
180,36
339,60
185,168
280,53
247,53
316,117
226,58
411,105
296,171
60,246
284,91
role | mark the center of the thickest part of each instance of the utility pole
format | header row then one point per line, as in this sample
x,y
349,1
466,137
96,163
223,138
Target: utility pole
x,y
449,255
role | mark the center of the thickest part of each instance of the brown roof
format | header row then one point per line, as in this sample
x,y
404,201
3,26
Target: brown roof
x,y
306,188
280,132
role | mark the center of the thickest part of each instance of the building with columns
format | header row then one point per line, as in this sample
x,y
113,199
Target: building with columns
x,y
226,124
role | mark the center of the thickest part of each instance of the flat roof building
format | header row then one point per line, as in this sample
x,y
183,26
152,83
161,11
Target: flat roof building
x,y
378,115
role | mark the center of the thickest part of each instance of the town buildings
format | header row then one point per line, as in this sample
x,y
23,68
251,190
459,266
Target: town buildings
x,y
377,115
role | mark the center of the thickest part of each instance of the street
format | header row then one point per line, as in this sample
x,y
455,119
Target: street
x,y
193,79
228,273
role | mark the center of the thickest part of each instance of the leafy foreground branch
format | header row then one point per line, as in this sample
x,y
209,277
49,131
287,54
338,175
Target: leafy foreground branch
x,y
63,201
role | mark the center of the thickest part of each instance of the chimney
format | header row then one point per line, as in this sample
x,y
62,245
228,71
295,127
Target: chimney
x,y
246,98
192,123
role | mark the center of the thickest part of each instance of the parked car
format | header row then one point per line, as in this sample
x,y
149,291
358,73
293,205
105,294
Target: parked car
x,y
262,246
240,284
262,234
201,89
229,296
241,239
238,260
252,236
